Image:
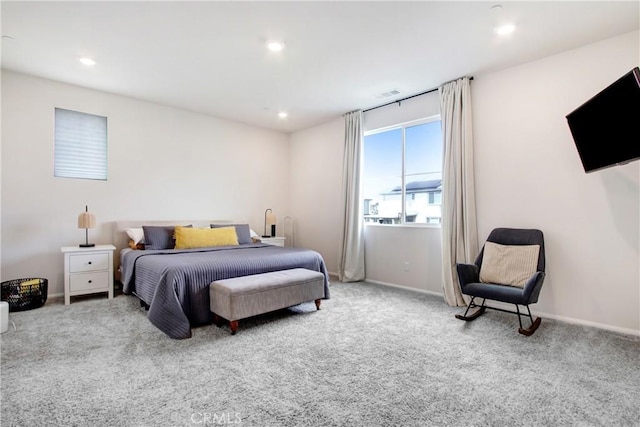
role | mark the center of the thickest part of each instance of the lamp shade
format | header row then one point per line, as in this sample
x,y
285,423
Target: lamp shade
x,y
86,220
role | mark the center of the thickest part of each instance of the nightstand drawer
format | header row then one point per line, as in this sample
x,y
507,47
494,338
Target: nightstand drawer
x,y
88,262
89,281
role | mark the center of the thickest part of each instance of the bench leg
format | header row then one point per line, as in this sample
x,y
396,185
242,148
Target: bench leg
x,y
318,304
217,320
233,324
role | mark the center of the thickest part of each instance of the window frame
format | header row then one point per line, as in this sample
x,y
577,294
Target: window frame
x,y
402,126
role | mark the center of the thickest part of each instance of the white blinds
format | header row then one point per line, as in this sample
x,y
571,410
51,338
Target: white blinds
x,y
80,145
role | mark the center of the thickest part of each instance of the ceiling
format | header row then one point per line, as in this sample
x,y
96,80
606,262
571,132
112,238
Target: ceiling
x,y
210,57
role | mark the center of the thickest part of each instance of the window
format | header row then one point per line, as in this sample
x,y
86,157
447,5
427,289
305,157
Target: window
x,y
402,173
80,145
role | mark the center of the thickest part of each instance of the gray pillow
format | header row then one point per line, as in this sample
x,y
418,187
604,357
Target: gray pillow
x,y
159,236
242,231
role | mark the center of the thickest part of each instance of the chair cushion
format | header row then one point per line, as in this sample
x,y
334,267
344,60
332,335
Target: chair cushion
x,y
508,294
510,265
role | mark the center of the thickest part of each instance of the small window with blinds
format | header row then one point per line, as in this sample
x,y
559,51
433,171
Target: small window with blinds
x,y
80,145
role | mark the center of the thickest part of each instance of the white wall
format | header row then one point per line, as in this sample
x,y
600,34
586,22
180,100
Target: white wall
x,y
422,106
528,174
164,164
316,179
408,256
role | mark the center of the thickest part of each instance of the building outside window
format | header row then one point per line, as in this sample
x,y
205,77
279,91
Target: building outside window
x,y
402,173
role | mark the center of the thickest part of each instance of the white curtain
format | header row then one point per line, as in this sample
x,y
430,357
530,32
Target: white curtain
x,y
459,228
351,256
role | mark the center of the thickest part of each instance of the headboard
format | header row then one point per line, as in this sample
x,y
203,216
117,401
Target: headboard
x,y
121,240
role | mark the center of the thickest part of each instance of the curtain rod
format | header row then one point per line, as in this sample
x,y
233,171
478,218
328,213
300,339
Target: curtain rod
x,y
409,97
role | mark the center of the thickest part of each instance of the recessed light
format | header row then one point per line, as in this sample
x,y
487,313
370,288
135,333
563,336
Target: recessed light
x,y
87,61
282,115
275,46
503,30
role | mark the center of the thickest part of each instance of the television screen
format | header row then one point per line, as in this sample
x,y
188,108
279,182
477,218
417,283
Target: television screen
x,y
606,128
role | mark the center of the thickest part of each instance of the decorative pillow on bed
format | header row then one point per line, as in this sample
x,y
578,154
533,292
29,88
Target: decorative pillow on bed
x,y
508,265
189,238
159,237
242,230
135,234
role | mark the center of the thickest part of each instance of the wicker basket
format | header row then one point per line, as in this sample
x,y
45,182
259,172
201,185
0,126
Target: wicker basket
x,y
24,294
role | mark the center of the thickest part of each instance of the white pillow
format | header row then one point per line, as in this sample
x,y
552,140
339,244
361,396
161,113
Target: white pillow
x,y
508,265
253,234
135,234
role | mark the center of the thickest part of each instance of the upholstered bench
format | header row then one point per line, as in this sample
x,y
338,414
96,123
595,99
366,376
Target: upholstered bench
x,y
246,296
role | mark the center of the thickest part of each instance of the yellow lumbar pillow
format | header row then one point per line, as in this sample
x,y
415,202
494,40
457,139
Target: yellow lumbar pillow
x,y
189,238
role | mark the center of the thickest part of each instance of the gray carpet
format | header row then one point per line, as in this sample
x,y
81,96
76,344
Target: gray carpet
x,y
373,356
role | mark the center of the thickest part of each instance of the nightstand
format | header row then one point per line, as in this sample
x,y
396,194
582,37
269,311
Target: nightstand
x,y
87,270
275,241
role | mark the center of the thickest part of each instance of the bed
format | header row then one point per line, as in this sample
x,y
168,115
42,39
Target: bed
x,y
174,283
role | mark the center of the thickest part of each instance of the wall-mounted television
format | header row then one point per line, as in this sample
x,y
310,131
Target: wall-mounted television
x,y
606,128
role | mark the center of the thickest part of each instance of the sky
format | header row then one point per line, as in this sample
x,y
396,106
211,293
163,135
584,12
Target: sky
x,y
383,157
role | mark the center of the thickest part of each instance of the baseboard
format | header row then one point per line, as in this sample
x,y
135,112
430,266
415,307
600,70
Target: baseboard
x,y
407,288
565,319
588,323
490,303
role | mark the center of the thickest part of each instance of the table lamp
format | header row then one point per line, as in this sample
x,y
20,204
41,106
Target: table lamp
x,y
86,220
269,220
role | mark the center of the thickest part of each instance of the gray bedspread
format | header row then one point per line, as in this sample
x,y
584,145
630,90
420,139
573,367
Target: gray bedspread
x,y
175,283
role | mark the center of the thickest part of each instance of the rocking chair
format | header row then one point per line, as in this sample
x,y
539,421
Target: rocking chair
x,y
514,275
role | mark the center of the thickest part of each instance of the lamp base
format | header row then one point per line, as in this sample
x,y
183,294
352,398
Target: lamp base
x,y
87,245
